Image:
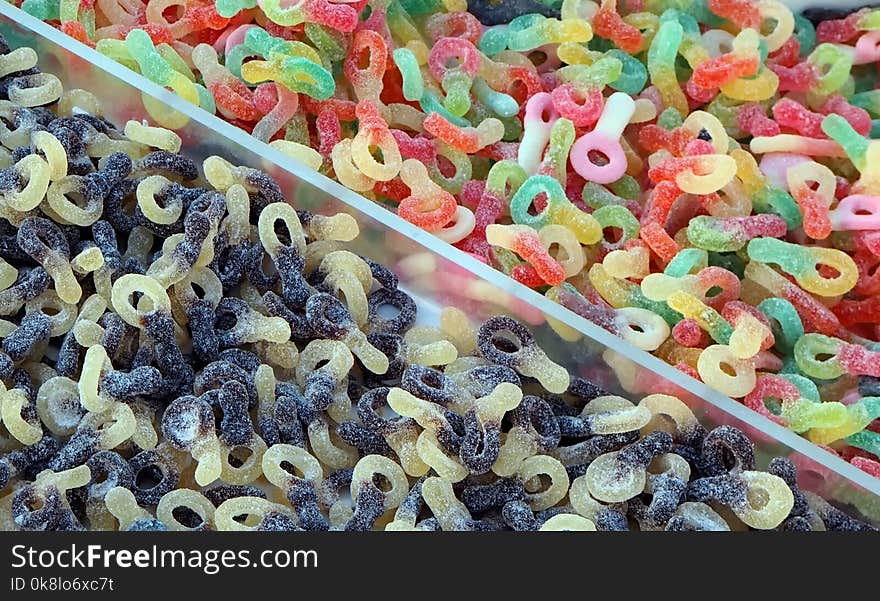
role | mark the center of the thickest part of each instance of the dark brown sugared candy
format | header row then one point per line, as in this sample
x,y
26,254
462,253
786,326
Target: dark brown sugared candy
x,y
667,491
535,416
483,497
364,440
154,475
501,340
480,445
109,470
147,525
277,522
519,516
304,500
369,505
328,317
727,450
236,427
428,384
727,489
187,419
397,300
217,495
46,510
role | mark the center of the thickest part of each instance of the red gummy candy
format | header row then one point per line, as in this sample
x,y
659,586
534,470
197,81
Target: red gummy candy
x,y
608,24
743,13
688,332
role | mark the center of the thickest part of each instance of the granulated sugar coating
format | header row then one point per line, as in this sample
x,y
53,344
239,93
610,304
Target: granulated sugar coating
x,y
698,177
183,348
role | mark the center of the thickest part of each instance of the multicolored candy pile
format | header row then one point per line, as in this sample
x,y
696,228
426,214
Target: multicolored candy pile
x,y
698,177
183,350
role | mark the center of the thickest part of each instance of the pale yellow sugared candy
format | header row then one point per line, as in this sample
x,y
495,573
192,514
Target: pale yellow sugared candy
x,y
340,227
699,120
131,283
428,415
700,515
630,263
711,367
89,260
768,501
643,110
75,100
53,150
251,466
348,275
430,452
582,501
404,441
665,409
570,253
567,522
238,207
155,137
517,445
667,463
458,328
146,192
611,481
8,275
338,357
492,407
544,465
427,345
44,89
20,59
305,155
331,450
283,355
749,333
280,211
254,508
346,171
302,461
11,404
121,503
370,465
58,405
535,364
94,365
447,509
219,173
144,435
114,426
34,170
614,414
191,499
63,480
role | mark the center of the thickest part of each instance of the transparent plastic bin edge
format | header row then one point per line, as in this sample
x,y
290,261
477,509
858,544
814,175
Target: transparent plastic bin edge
x,y
437,274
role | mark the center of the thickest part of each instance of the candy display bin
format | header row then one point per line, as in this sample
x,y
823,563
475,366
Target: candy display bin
x,y
433,272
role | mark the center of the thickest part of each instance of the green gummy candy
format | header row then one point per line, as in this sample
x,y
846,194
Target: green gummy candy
x,y
633,74
785,323
620,217
670,119
230,8
809,348
685,261
806,387
46,10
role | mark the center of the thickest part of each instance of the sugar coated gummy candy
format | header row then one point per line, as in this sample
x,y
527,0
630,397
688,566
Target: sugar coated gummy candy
x,y
185,350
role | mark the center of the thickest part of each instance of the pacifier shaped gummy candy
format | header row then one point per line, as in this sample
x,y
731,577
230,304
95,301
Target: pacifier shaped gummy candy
x,y
580,147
